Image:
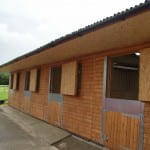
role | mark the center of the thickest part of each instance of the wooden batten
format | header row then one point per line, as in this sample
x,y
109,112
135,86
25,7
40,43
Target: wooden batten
x,y
69,78
33,80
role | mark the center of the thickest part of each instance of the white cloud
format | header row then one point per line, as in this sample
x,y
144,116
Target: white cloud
x,y
7,35
14,43
28,24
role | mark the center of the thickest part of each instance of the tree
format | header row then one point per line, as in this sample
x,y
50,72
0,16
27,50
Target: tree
x,y
4,78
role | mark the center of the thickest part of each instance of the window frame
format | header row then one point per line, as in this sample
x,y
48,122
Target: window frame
x,y
11,80
79,77
27,81
109,70
52,80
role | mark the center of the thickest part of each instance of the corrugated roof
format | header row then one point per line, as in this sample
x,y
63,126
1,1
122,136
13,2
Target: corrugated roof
x,y
99,24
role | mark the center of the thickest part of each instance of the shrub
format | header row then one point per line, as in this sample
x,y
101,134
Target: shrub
x,y
4,78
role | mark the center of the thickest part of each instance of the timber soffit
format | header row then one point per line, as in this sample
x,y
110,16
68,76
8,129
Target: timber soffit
x,y
97,25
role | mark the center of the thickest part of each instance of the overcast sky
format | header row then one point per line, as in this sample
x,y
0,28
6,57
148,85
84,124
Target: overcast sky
x,y
28,24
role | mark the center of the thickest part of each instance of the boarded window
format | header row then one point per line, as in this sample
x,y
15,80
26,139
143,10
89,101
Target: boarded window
x,y
15,81
69,78
55,81
33,80
11,81
27,80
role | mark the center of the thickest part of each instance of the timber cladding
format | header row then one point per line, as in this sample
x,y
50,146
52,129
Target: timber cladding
x,y
144,94
147,126
79,113
122,131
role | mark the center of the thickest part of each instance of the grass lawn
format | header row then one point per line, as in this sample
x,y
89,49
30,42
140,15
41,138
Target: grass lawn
x,y
3,92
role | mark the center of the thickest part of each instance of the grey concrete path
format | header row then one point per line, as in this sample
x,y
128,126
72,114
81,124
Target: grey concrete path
x,y
19,131
76,143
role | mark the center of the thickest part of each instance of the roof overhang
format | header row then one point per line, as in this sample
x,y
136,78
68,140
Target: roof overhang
x,y
130,31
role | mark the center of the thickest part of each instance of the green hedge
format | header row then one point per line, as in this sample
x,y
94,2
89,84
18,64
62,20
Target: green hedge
x,y
4,78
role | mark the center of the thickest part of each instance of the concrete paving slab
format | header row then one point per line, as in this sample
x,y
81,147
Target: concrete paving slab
x,y
73,143
50,133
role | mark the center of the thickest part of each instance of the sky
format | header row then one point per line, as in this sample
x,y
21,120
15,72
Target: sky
x,y
28,24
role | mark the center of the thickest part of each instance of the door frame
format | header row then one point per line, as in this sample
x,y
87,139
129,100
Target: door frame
x,y
110,104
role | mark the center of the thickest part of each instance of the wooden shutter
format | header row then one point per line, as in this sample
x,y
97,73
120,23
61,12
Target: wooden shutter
x,y
69,78
15,81
144,80
33,80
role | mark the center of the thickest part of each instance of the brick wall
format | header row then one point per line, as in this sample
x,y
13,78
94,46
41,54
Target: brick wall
x,y
81,114
36,104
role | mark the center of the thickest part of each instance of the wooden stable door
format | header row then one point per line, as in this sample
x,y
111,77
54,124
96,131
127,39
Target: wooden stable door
x,y
123,124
